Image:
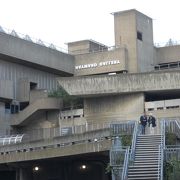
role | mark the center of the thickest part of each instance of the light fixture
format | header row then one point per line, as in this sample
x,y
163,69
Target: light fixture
x,y
36,168
83,167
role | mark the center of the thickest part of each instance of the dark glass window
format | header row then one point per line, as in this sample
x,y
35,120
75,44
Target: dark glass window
x,y
139,36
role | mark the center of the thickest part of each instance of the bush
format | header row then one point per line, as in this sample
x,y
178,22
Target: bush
x,y
68,100
126,140
171,139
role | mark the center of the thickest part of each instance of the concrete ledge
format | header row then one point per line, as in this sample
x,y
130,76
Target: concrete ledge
x,y
42,149
121,83
17,50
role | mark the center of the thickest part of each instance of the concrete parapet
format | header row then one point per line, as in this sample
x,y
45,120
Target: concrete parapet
x,y
31,54
58,147
121,83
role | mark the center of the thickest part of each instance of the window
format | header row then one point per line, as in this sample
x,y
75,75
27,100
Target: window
x,y
139,35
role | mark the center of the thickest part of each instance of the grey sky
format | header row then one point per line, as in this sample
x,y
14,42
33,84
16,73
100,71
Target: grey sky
x,y
61,21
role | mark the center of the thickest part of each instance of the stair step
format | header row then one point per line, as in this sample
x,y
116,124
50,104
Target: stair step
x,y
147,142
150,150
145,158
145,135
148,162
143,166
133,168
142,178
148,145
143,171
143,175
147,154
147,148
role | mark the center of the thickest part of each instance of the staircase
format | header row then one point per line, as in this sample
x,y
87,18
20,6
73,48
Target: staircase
x,y
40,104
146,158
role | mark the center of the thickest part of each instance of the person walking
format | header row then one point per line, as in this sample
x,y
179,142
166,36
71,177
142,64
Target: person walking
x,y
151,123
143,122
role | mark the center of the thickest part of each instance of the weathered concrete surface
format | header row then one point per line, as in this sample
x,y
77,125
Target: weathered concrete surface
x,y
168,54
56,152
6,91
28,53
42,149
41,104
121,83
113,108
98,58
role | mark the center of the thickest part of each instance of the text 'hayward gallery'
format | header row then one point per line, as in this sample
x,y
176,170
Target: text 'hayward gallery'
x,y
104,84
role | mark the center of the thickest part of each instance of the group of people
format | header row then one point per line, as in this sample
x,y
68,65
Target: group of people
x,y
150,120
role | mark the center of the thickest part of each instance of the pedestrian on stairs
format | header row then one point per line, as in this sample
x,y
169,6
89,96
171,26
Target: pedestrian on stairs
x,y
143,122
151,123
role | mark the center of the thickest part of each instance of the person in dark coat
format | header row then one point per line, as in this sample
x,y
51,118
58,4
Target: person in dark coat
x,y
151,123
143,122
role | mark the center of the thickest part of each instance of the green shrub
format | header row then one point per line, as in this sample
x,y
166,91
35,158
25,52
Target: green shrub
x,y
126,140
68,100
170,139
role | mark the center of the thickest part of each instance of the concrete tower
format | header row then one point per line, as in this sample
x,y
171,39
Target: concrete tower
x,y
134,31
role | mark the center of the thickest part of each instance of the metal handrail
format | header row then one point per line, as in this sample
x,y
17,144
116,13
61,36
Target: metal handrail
x,y
134,139
177,128
161,151
12,139
126,163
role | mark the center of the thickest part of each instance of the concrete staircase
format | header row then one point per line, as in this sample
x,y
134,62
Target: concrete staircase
x,y
146,158
40,104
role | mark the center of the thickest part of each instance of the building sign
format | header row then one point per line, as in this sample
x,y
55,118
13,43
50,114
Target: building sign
x,y
100,64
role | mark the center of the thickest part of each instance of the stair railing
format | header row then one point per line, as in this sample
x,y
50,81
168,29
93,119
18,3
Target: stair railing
x,y
130,153
126,163
134,140
161,151
177,128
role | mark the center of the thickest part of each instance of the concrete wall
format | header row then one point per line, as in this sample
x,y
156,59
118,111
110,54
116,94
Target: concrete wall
x,y
113,108
99,58
38,94
85,46
122,83
26,52
168,54
144,47
21,76
78,47
43,119
4,124
23,90
140,53
125,34
6,89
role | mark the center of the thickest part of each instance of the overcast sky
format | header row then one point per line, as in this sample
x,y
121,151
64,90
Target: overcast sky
x,y
62,21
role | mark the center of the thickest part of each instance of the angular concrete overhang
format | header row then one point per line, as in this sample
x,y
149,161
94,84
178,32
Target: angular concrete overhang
x,y
121,83
27,53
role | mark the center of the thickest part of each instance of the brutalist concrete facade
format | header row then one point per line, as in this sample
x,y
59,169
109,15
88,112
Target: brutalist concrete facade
x,y
116,84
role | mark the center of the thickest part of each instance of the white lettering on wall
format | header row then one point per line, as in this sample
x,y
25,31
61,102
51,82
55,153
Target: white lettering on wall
x,y
100,64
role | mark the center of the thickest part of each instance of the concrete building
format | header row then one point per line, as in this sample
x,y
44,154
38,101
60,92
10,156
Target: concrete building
x,y
114,84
